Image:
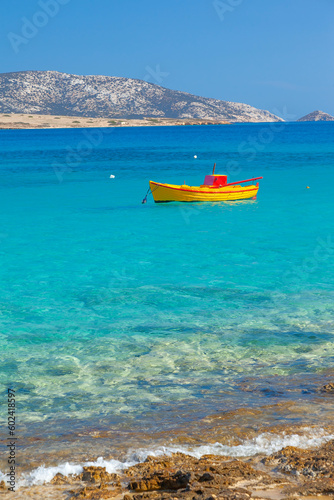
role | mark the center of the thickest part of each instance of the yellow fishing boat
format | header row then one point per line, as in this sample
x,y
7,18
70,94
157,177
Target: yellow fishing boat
x,y
215,188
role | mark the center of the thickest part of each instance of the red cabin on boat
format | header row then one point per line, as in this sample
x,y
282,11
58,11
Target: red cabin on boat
x,y
215,180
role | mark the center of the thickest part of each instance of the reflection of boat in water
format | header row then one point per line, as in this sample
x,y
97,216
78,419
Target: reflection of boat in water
x,y
215,188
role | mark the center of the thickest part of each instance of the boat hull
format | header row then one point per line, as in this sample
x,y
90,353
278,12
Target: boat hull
x,y
163,193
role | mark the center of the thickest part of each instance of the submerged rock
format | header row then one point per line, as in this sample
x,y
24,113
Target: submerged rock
x,y
328,388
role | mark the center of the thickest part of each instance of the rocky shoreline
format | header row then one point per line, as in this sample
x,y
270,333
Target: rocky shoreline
x,y
289,473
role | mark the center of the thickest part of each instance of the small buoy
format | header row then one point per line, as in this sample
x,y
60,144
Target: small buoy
x,y
307,187
195,156
112,177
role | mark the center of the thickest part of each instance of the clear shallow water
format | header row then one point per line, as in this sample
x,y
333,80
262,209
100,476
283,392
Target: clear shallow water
x,y
112,311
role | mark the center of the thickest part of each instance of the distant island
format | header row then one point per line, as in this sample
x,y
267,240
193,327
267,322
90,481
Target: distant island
x,y
107,97
317,116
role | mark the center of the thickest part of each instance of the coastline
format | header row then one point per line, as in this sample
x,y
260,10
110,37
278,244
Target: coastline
x,y
16,121
300,465
246,429
240,454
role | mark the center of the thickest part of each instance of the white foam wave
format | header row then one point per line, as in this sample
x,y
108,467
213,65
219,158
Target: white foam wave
x,y
265,443
43,475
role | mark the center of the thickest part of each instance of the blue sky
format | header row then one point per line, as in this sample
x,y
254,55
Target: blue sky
x,y
271,54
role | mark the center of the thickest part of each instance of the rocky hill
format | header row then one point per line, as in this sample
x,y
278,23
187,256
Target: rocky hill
x,y
317,116
54,93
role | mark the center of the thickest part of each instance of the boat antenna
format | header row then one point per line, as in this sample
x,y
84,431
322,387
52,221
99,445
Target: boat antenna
x,y
213,171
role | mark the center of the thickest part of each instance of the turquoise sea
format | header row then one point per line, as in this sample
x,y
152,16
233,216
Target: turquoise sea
x,y
132,323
